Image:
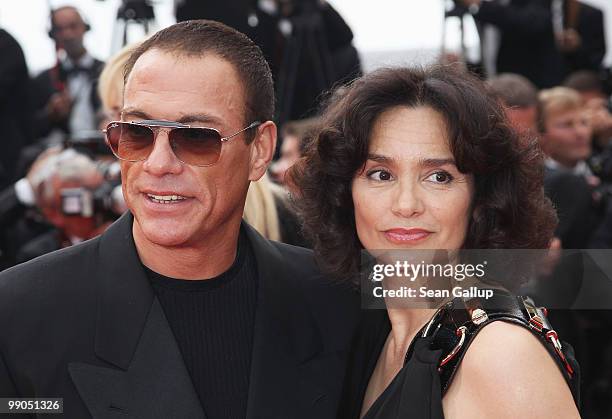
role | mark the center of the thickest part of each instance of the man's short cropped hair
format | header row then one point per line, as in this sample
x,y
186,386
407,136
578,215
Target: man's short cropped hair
x,y
196,38
514,90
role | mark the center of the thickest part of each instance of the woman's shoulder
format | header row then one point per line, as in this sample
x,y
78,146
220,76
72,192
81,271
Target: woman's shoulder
x,y
507,372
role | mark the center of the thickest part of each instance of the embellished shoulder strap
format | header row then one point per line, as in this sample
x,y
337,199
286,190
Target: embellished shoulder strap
x,y
457,323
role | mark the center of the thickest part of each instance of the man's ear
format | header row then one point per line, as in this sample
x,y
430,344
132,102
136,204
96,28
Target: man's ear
x,y
262,150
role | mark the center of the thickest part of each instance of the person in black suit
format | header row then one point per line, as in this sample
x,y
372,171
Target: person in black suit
x,y
19,221
416,159
180,309
234,13
583,42
309,47
525,39
14,107
64,97
565,137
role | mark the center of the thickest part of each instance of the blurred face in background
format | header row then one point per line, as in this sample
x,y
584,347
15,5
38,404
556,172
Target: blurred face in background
x,y
567,136
410,194
589,95
69,30
522,119
290,154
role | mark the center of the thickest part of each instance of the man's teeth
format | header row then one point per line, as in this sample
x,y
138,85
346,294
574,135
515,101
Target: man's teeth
x,y
165,199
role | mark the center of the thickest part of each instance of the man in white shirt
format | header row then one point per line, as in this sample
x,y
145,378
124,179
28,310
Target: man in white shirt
x,y
65,96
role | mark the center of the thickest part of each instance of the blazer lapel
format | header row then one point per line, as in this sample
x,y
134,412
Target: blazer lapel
x,y
285,369
148,378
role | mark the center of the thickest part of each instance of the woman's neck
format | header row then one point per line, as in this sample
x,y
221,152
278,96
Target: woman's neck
x,y
405,323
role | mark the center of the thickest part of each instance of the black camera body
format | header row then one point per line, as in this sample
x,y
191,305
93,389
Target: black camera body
x,y
90,143
85,202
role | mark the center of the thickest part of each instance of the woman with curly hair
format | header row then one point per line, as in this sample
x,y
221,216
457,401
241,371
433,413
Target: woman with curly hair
x,y
409,159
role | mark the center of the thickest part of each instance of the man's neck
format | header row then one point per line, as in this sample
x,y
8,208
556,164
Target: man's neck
x,y
576,166
77,57
203,260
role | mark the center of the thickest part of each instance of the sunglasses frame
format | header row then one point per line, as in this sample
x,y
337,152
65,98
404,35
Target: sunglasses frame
x,y
156,125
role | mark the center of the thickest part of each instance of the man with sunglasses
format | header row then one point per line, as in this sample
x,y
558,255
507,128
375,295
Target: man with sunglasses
x,y
180,309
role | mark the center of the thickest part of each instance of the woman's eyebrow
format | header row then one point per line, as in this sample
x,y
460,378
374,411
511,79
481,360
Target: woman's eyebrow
x,y
424,162
379,158
436,162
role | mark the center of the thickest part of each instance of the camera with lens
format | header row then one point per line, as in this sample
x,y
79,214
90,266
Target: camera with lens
x,y
105,201
90,143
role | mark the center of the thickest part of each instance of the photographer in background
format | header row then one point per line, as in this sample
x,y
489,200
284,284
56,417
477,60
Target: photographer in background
x,y
518,37
308,46
582,38
20,221
64,96
597,102
32,222
233,13
67,199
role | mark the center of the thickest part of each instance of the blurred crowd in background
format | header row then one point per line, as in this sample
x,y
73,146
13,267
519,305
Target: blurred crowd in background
x,y
60,184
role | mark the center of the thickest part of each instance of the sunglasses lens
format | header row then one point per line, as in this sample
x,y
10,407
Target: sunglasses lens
x,y
198,146
133,142
130,141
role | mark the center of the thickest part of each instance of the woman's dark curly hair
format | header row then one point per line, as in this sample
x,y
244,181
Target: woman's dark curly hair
x,y
510,210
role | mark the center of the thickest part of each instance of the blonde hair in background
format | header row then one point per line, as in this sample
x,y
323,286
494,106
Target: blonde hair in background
x,y
110,83
260,207
556,100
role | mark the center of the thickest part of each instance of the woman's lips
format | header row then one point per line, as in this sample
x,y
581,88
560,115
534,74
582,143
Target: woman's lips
x,y
406,236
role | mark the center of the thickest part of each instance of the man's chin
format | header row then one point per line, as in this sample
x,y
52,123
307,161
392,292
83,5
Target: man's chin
x,y
162,232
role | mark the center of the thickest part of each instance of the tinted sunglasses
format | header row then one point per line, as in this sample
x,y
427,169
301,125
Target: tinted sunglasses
x,y
198,146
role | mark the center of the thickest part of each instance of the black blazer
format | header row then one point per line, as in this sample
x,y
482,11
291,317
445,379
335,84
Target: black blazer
x,y
573,201
15,110
590,54
10,207
83,323
43,87
527,44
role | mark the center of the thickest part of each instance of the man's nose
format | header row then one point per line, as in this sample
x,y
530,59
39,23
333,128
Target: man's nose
x,y
162,159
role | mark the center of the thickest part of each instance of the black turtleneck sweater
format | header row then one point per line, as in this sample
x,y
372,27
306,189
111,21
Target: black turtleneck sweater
x,y
212,321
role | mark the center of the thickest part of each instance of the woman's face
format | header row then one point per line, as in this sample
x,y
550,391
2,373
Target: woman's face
x,y
410,194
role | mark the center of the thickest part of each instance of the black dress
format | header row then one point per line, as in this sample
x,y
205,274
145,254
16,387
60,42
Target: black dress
x,y
416,391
